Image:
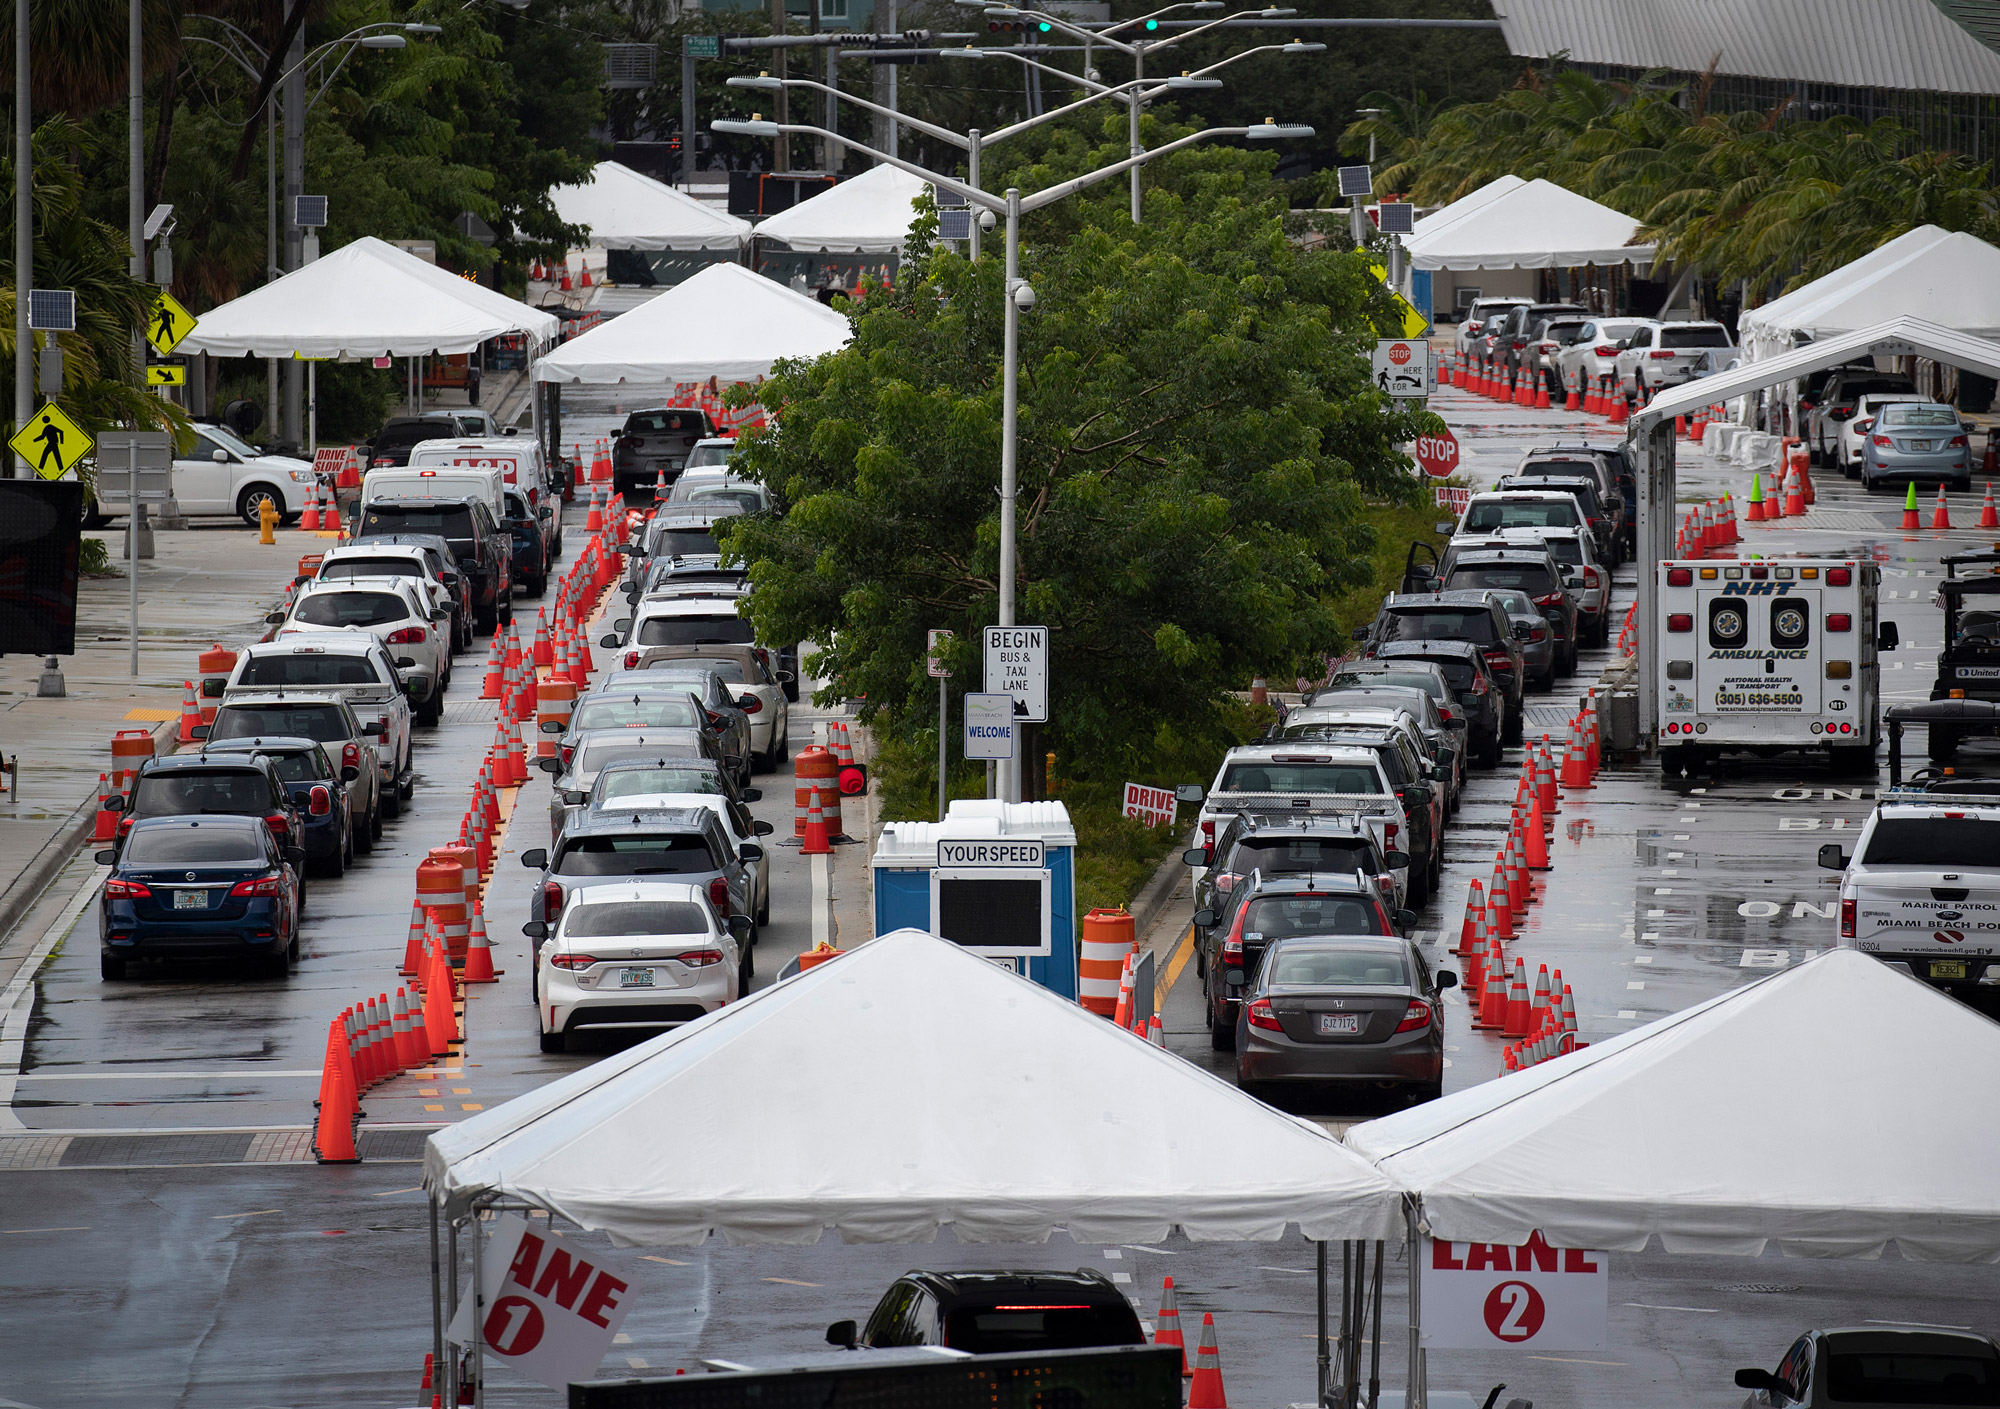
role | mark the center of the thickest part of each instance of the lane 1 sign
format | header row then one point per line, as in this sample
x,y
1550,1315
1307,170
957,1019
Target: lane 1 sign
x,y
550,1313
1438,454
1484,1296
1403,367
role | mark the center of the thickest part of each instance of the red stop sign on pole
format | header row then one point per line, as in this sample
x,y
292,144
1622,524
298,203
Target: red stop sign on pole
x,y
1438,454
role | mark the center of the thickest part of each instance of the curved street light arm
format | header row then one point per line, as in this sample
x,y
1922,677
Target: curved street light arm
x,y
1122,91
736,127
943,134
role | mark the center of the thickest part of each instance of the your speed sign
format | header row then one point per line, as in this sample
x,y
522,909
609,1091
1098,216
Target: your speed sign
x,y
1438,454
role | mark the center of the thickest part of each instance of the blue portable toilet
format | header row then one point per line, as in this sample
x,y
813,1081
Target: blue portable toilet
x,y
977,831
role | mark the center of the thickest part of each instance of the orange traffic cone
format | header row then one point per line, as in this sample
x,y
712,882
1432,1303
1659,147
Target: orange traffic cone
x,y
1475,912
1167,1325
1538,1003
309,520
479,953
1206,1390
106,828
1541,392
1499,902
333,1137
1576,770
544,654
1940,512
489,688
1620,412
1533,841
413,944
1910,508
1517,1000
1988,516
1493,994
1571,401
190,713
1795,495
408,1055
1474,955
1121,1014
816,842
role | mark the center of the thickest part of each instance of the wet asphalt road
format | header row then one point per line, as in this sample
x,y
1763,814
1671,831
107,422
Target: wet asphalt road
x,y
208,1270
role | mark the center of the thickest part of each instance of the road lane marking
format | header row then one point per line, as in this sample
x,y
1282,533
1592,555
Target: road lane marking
x,y
1932,1325
1157,1252
1121,1277
1114,1255
1635,984
470,1106
433,1108
790,1282
1628,1013
1183,952
670,1261
1649,1306
621,1339
253,1213
79,1228
636,1363
1643,959
1301,1271
1561,1360
44,1074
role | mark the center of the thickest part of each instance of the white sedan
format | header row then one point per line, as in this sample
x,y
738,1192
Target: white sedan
x,y
641,956
399,614
1852,437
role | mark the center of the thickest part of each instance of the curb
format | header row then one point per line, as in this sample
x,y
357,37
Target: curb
x,y
1158,892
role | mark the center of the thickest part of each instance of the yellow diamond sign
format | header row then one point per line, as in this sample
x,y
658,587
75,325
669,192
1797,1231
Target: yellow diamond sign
x,y
1414,324
51,442
168,324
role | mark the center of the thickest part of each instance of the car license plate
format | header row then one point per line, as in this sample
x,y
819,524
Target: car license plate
x,y
1948,968
1339,1024
190,900
1920,444
635,978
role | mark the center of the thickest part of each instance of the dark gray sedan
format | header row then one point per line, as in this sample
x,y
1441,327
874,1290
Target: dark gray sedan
x,y
1343,1011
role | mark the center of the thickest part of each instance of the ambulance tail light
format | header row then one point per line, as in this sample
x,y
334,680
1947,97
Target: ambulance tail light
x,y
1840,577
1839,621
1840,670
1847,918
1680,621
1680,577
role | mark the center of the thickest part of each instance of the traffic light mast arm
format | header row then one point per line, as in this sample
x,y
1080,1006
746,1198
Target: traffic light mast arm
x,y
1125,92
943,134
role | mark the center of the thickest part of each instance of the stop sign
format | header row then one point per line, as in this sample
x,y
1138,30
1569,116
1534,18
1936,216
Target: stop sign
x,y
1438,454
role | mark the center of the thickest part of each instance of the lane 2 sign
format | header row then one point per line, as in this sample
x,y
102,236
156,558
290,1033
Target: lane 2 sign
x,y
1483,1296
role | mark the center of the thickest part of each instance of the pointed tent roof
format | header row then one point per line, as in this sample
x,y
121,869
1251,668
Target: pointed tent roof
x,y
904,1086
1465,205
628,210
724,322
1807,1109
1536,225
1948,278
365,299
870,214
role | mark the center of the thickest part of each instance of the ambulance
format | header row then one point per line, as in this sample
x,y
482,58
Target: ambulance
x,y
1769,655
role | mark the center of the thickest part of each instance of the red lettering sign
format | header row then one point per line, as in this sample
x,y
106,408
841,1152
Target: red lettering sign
x,y
514,1326
1514,1312
1480,1256
1438,454
603,1297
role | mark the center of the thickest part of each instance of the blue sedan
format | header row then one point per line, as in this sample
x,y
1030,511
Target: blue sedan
x,y
200,887
1916,440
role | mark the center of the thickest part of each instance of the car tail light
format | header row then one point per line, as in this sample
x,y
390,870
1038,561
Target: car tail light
x,y
350,755
755,705
1590,577
1839,621
280,825
1389,836
1518,344
1959,442
319,802
552,901
1608,350
1659,356
1473,327
1225,883
1847,918
1552,599
571,961
1445,714
699,958
408,636
714,719
1479,686
1840,577
1862,426
631,660
637,442
1680,577
1416,1017
1500,660
1538,634
379,461
125,823
127,890
1881,442
568,752
263,885
1680,621
1259,1014
382,723
1546,346
718,895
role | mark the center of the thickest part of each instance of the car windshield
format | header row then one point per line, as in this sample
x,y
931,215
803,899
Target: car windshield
x,y
1910,1377
1458,674
683,542
729,670
1311,966
1281,916
667,423
1906,414
1861,386
1517,603
1293,855
447,521
1693,336
1249,777
351,609
1560,467
695,631
637,712
659,854
1412,679
308,668
646,782
635,917
1525,577
309,721
298,767
1933,843
194,846
1565,549
703,455
986,1330
1474,624
1561,332
596,753
1495,514
397,434
371,567
744,501
191,790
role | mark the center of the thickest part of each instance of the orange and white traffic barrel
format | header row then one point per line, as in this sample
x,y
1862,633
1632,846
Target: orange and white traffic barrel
x,y
1109,936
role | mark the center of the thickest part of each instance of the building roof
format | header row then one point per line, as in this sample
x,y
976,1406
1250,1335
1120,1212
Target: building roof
x,y
1924,45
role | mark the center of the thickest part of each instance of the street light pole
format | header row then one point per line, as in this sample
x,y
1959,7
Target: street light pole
x,y
1010,399
24,231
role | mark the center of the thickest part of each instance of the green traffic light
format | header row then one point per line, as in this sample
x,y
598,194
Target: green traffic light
x,y
1152,24
1045,26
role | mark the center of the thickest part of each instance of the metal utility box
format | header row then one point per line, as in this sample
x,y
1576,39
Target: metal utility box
x,y
1003,875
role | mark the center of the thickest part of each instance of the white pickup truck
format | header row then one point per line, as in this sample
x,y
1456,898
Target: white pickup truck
x,y
1922,889
1293,779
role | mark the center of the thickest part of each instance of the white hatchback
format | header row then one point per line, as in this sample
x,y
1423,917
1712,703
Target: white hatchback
x,y
647,955
397,612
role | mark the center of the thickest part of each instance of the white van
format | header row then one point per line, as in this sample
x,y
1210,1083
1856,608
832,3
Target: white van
x,y
435,482
518,458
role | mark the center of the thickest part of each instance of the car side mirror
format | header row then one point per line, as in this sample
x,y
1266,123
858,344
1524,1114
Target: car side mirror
x,y
551,726
575,797
624,623
372,729
551,766
439,618
747,702
535,859
786,677
1434,584
632,593
609,640
1195,856
750,851
1361,633
1757,1379
1573,580
1396,858
275,619
1204,919
115,803
1446,979
752,795
841,1333
741,928
296,855
1886,637
761,829
536,929
1405,919
348,772
1523,631
221,457
106,858
1832,858
406,662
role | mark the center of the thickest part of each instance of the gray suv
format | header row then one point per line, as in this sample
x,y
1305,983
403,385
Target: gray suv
x,y
688,844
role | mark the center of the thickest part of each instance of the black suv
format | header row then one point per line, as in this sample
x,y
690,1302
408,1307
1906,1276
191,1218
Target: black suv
x,y
1615,484
1253,842
1513,342
1471,617
654,441
1476,697
318,789
1602,509
987,1313
401,434
534,550
1966,667
437,551
484,551
201,785
1533,570
1409,772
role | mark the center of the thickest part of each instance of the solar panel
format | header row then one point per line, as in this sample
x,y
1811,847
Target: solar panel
x,y
1356,181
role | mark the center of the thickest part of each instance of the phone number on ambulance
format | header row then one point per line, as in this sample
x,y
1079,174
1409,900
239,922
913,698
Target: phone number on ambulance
x,y
1759,699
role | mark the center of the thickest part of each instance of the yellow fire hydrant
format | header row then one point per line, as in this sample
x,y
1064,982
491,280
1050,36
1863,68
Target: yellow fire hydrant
x,y
267,519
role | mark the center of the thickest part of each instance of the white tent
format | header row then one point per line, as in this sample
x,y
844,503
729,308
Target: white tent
x,y
1465,205
1950,279
724,322
1536,225
365,299
627,210
870,214
1832,1109
902,1087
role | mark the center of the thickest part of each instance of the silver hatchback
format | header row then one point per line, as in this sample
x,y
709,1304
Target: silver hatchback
x,y
1913,440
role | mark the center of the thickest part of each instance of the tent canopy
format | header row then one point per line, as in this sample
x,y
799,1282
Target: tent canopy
x,y
901,1087
1815,1109
724,322
1535,225
1465,205
365,299
627,210
1937,276
870,214
1900,337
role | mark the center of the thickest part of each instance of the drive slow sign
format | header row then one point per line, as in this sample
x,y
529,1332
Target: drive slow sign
x,y
1480,1296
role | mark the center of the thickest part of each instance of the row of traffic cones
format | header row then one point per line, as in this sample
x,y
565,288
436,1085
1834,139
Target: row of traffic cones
x,y
1708,526
1989,516
1205,1373
375,1040
1550,1022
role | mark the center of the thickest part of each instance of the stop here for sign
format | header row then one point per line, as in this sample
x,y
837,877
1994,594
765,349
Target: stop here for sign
x,y
1480,1296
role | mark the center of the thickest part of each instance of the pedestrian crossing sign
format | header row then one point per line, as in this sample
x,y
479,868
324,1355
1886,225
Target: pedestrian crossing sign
x,y
1413,324
51,442
168,323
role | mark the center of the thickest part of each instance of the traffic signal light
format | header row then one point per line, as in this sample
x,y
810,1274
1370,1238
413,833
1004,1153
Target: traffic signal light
x,y
1006,26
1152,24
1045,26
851,779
